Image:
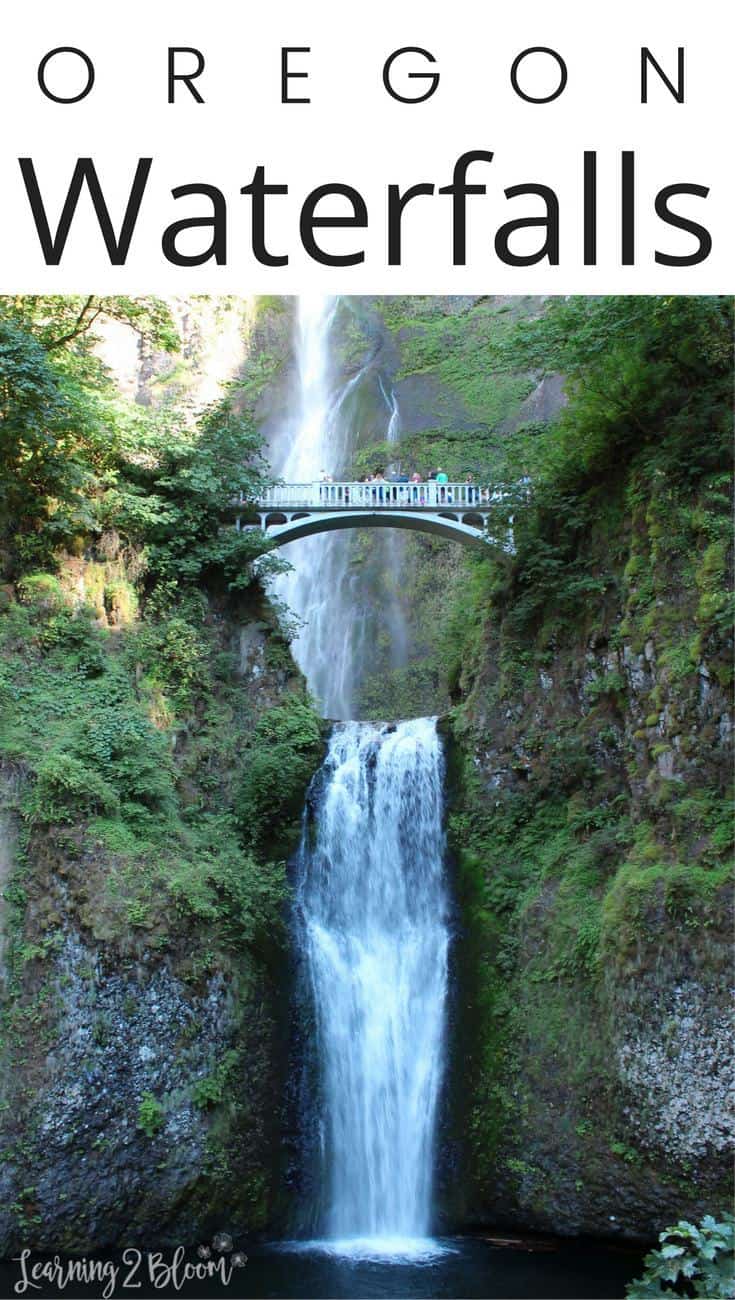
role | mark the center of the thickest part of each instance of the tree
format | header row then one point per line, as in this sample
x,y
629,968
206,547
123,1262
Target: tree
x,y
58,322
43,473
180,501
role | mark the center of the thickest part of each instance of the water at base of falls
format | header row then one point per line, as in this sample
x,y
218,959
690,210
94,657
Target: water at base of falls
x,y
397,1250
373,930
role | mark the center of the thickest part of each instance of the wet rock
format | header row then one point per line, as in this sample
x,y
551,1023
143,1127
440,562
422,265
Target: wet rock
x,y
679,1068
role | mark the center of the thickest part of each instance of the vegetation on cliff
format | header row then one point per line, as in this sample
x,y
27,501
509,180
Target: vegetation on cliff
x,y
144,679
592,820
117,534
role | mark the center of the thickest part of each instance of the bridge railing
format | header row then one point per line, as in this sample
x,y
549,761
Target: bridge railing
x,y
347,496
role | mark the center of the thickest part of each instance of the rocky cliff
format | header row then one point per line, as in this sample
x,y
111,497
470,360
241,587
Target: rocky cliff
x,y
156,742
145,963
145,955
590,826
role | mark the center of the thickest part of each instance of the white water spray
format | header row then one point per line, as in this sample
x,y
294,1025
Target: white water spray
x,y
314,588
373,909
324,588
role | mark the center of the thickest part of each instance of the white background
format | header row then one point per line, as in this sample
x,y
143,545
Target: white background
x,y
353,132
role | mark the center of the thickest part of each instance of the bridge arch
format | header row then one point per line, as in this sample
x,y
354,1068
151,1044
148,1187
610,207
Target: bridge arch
x,y
441,525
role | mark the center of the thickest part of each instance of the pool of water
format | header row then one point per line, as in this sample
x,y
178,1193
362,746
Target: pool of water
x,y
470,1267
453,1267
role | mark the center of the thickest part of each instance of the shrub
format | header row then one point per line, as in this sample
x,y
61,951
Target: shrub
x,y
42,593
285,751
150,1115
174,655
691,1260
210,1090
66,787
57,624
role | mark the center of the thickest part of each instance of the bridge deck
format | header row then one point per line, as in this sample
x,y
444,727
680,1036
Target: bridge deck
x,y
325,496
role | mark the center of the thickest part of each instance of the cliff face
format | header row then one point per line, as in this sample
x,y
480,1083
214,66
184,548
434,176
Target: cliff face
x,y
460,396
590,824
144,946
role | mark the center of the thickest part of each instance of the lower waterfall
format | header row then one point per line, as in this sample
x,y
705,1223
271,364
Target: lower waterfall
x,y
374,932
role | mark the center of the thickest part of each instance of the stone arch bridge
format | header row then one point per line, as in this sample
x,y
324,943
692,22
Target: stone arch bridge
x,y
455,510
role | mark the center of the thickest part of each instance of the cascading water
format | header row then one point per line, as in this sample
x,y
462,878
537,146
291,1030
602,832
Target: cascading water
x,y
323,587
316,589
373,907
390,549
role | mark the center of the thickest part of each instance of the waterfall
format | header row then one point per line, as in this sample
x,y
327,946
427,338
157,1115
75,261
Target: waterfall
x,y
323,587
373,930
316,589
371,906
391,548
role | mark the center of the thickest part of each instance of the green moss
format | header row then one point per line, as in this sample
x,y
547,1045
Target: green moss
x,y
684,892
463,353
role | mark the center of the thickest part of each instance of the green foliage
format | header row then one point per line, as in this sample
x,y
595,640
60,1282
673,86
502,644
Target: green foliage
x,y
691,1260
66,789
642,374
284,751
173,653
211,1089
84,735
182,506
43,471
150,1115
77,458
97,750
463,351
58,322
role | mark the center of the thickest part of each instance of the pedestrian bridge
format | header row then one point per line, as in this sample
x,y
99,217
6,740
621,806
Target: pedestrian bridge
x,y
455,510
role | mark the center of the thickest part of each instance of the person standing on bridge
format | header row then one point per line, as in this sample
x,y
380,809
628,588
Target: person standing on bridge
x,y
442,478
416,492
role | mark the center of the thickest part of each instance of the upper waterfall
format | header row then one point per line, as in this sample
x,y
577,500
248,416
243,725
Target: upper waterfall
x,y
324,589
